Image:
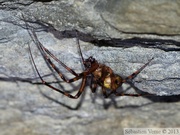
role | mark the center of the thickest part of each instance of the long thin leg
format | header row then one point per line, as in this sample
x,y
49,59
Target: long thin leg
x,y
79,48
42,49
47,51
131,77
137,72
59,73
56,89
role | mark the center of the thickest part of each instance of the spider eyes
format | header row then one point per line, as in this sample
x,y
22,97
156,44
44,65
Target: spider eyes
x,y
91,59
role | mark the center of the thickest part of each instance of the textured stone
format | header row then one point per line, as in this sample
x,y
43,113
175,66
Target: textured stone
x,y
33,109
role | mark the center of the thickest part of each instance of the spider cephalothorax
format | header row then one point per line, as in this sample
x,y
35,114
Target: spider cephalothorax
x,y
90,62
101,74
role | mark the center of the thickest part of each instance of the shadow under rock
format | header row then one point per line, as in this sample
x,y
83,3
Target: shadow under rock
x,y
157,98
163,44
106,104
152,97
78,105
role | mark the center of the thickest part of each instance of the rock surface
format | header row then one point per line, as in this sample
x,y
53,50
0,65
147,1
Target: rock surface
x,y
33,109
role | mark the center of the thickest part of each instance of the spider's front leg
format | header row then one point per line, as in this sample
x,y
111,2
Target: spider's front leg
x,y
93,84
44,50
133,75
84,78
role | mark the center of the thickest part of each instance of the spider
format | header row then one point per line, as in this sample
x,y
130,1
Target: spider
x,y
100,74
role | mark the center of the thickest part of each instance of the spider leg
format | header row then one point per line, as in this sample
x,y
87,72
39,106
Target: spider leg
x,y
136,72
43,49
93,84
46,58
66,93
79,48
104,92
62,76
56,89
56,59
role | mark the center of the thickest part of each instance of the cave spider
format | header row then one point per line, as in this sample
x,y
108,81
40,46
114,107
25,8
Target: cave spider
x,y
101,74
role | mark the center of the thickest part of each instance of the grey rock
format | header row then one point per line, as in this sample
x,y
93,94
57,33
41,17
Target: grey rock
x,y
34,109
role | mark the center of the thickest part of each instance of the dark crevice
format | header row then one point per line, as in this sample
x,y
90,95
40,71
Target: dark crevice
x,y
14,5
163,44
117,42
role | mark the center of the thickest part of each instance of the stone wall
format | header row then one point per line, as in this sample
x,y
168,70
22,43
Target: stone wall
x,y
124,35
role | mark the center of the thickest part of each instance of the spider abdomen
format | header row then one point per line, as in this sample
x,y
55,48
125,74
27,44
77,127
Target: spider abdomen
x,y
105,77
